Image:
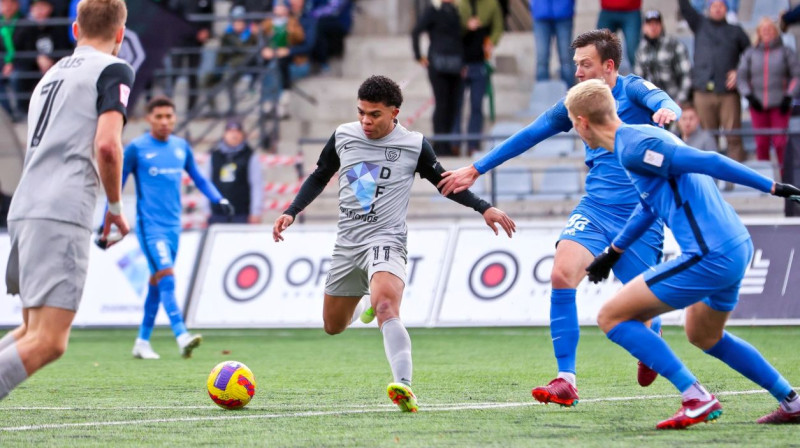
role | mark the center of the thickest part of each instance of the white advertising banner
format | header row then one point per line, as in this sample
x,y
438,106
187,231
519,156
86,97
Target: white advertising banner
x,y
245,279
501,281
116,284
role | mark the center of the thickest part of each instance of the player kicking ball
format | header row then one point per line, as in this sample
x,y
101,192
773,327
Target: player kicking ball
x,y
675,184
376,160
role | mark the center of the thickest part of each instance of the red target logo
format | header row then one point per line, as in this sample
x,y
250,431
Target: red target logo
x,y
247,277
493,275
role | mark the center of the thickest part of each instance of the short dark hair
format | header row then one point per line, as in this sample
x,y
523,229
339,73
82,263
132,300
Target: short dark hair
x,y
380,89
605,42
159,101
688,105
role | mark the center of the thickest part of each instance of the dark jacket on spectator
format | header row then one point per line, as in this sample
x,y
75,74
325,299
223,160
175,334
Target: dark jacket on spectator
x,y
717,48
769,72
443,26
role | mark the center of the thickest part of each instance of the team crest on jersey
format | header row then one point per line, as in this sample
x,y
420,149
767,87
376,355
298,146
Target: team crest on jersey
x,y
179,153
392,154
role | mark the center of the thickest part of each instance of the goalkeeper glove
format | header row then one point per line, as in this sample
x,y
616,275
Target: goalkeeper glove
x,y
788,191
599,269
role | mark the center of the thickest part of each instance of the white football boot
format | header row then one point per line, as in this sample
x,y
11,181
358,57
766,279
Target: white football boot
x,y
143,350
188,342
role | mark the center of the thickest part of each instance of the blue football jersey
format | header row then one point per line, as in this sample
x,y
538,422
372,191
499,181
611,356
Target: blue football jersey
x,y
157,167
689,203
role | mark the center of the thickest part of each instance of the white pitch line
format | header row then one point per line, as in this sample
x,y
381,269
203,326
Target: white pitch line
x,y
445,407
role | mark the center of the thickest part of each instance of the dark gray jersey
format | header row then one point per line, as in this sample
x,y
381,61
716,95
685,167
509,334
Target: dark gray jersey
x,y
60,178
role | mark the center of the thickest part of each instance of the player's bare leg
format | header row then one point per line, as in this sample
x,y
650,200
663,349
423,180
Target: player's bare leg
x,y
338,312
45,340
386,293
17,333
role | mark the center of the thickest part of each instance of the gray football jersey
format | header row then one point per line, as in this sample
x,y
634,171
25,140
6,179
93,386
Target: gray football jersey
x,y
375,179
60,178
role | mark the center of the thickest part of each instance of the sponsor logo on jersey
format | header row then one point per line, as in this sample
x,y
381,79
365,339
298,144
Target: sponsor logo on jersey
x,y
392,154
150,155
653,158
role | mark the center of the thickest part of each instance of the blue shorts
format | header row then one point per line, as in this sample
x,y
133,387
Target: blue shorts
x,y
714,278
160,248
594,227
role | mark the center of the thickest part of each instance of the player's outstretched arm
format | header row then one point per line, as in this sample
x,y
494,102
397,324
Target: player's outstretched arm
x,y
494,216
458,180
281,224
108,148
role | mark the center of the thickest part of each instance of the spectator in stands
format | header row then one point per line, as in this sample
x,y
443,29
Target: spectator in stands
x,y
718,46
769,77
790,17
234,169
482,25
334,20
730,17
444,62
49,42
5,203
301,52
625,15
663,60
553,19
9,41
193,44
254,6
237,43
280,35
692,133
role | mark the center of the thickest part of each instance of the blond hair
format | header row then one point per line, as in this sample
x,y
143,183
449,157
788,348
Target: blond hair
x,y
591,99
100,19
769,22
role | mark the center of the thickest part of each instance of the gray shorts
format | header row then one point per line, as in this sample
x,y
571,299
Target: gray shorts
x,y
48,262
352,268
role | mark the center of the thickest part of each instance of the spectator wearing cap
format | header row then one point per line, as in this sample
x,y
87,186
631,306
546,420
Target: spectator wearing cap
x,y
553,20
234,169
663,60
239,40
625,15
48,42
718,46
769,77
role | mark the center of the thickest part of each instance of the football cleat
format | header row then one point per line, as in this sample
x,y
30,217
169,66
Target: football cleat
x,y
143,350
368,315
188,342
402,395
558,391
779,416
645,375
693,412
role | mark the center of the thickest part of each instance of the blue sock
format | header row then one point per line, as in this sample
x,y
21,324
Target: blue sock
x,y
150,311
745,359
166,288
655,325
564,328
649,348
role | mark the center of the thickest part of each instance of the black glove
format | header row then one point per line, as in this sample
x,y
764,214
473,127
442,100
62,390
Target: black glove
x,y
599,269
786,104
788,191
755,104
225,207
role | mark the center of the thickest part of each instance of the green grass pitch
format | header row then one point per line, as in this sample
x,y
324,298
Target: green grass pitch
x,y
473,387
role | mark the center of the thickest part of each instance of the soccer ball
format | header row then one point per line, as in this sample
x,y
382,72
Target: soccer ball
x,y
231,385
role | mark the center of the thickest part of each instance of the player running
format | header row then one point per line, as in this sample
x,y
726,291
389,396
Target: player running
x,y
610,198
376,159
75,122
674,184
157,161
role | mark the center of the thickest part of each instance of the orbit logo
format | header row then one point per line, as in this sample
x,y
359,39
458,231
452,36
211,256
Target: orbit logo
x,y
493,275
247,277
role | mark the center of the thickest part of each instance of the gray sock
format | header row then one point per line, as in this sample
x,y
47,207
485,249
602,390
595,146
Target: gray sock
x,y
12,371
7,340
397,345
